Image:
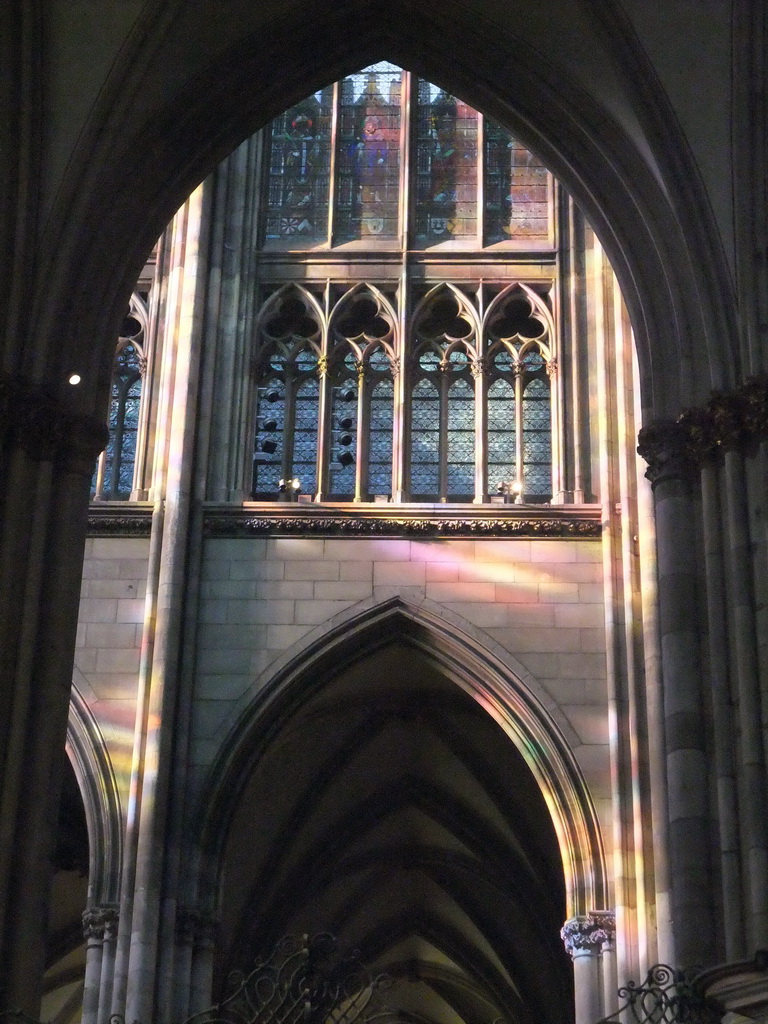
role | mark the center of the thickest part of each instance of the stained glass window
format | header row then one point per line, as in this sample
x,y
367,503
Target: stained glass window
x,y
343,458
446,168
368,155
384,368
298,183
113,479
516,190
537,439
461,442
502,455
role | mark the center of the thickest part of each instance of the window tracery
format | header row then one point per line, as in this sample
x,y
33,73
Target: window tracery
x,y
390,373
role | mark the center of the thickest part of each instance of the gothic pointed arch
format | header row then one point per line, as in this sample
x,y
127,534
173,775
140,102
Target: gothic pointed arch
x,y
96,778
474,663
655,231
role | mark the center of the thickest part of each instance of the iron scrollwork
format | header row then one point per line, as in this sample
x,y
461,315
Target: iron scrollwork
x,y
667,996
305,980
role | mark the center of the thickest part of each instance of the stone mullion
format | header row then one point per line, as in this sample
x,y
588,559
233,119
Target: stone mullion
x,y
324,431
480,378
292,381
402,380
364,387
443,382
519,481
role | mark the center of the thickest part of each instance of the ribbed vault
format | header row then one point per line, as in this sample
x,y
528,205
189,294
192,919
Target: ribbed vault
x,y
393,811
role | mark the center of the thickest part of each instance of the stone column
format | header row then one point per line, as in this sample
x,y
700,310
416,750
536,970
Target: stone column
x,y
666,446
99,925
48,455
584,937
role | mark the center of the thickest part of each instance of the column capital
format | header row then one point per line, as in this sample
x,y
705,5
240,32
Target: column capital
x,y
97,921
733,420
588,933
46,430
666,447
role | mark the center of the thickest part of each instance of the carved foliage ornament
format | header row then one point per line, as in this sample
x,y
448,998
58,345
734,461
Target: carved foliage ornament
x,y
589,932
38,422
223,525
735,420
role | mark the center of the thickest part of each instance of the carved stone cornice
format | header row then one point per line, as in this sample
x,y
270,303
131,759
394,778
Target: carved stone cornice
x,y
589,933
265,519
112,520
99,921
734,420
31,417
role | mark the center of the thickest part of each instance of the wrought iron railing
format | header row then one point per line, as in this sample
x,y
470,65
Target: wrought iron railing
x,y
667,996
303,981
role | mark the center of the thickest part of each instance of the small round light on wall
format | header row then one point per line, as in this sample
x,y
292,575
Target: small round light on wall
x,y
74,378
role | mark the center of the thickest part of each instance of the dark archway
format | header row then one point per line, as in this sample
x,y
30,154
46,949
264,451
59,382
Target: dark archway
x,y
409,757
410,827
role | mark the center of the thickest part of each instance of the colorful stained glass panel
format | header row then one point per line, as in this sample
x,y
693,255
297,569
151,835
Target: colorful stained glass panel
x,y
298,182
516,190
368,155
446,168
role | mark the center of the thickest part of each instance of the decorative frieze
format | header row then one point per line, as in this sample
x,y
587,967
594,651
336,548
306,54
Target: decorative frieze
x,y
735,420
356,523
589,933
47,431
115,520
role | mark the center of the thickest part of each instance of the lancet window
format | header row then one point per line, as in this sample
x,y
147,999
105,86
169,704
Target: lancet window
x,y
114,475
406,341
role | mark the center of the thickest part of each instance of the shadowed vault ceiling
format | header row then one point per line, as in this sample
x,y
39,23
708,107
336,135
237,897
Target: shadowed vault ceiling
x,y
392,811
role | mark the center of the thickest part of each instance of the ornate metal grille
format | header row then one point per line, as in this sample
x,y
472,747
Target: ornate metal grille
x,y
303,981
667,996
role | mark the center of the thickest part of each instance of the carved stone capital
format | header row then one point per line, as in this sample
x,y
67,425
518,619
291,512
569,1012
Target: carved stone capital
x,y
735,420
666,447
99,922
588,933
46,430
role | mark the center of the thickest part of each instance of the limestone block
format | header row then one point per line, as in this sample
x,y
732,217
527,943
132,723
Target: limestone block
x,y
503,550
341,590
279,638
259,611
295,548
585,616
97,610
406,573
530,615
451,592
312,613
369,550
441,572
312,570
357,571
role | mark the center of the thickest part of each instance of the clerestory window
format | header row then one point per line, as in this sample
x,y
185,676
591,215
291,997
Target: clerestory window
x,y
406,341
113,479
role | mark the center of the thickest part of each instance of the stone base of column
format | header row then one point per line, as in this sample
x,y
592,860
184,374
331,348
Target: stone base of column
x,y
739,990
